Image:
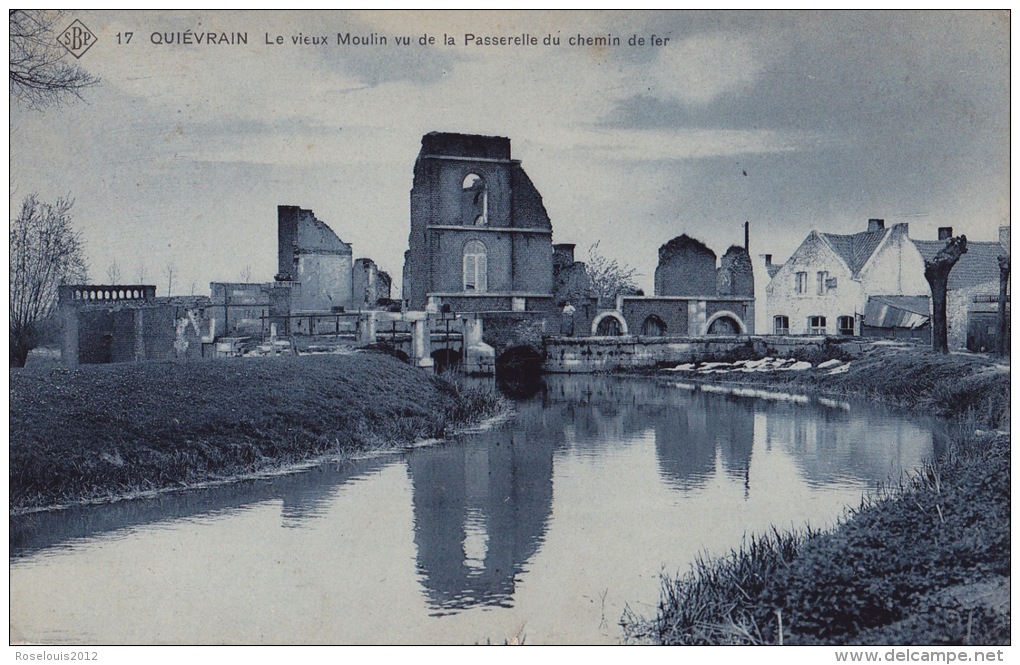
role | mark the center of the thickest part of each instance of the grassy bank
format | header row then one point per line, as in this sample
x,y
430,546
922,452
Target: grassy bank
x,y
103,431
952,386
926,561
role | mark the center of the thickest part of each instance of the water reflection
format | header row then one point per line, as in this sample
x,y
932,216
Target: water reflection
x,y
480,512
869,445
482,506
302,497
690,437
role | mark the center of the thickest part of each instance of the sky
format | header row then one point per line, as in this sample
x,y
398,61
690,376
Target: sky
x,y
791,121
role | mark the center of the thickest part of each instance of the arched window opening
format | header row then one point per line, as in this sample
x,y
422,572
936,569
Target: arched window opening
x,y
816,325
653,327
609,327
781,325
845,325
724,325
475,267
474,201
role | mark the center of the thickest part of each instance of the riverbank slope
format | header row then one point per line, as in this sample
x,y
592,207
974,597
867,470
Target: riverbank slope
x,y
100,432
950,386
927,561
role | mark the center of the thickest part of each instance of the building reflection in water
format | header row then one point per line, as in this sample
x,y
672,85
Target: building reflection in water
x,y
864,445
867,444
481,509
689,438
482,505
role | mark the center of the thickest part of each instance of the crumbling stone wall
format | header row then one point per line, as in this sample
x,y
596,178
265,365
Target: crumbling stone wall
x,y
370,284
736,274
134,331
570,277
312,254
686,268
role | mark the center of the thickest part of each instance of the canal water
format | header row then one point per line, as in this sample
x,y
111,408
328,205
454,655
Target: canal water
x,y
543,529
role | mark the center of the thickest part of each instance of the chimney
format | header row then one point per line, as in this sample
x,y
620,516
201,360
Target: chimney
x,y
747,237
768,259
876,225
945,232
1004,237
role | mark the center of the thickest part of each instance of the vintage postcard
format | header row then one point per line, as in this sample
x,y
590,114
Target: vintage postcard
x,y
507,327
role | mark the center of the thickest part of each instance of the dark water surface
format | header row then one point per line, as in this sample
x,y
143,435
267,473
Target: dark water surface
x,y
543,528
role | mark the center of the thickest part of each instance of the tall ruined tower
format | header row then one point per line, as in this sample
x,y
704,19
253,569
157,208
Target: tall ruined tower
x,y
478,225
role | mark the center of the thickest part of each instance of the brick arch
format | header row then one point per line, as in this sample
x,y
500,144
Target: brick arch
x,y
612,313
725,314
523,360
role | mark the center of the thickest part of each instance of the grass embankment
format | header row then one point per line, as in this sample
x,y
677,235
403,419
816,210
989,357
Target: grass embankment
x,y
926,561
947,386
105,431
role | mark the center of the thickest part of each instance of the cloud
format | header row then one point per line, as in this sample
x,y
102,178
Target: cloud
x,y
699,69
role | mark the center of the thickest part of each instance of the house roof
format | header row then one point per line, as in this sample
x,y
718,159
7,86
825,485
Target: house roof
x,y
773,268
855,249
979,265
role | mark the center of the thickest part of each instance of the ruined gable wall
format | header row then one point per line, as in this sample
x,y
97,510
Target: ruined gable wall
x,y
736,274
312,254
686,268
365,276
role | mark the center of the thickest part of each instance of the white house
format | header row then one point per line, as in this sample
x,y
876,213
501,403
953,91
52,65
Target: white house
x,y
824,287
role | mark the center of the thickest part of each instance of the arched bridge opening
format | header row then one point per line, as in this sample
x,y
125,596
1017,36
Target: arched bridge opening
x,y
521,360
446,359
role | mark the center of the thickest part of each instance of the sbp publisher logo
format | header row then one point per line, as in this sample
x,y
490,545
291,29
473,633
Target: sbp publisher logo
x,y
77,39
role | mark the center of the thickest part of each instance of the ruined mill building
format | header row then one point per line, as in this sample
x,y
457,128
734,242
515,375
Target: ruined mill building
x,y
480,236
481,241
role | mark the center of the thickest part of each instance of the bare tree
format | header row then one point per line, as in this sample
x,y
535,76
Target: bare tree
x,y
141,272
1001,341
936,271
246,274
113,274
45,252
41,72
607,277
168,271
